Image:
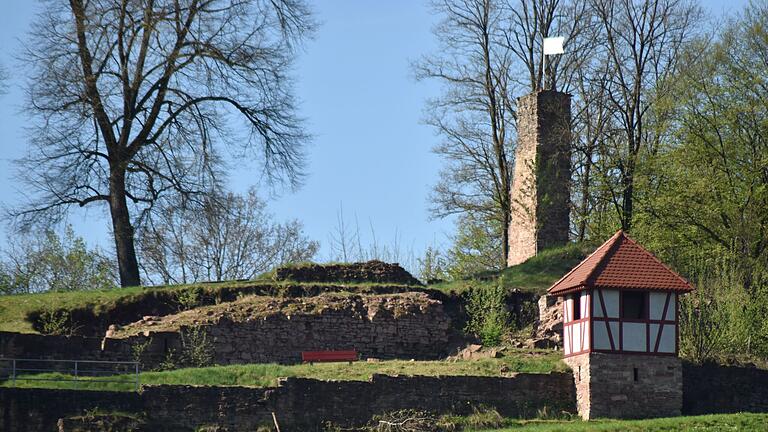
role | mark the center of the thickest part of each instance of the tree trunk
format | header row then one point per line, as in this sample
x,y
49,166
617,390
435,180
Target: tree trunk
x,y
123,231
505,237
582,229
627,208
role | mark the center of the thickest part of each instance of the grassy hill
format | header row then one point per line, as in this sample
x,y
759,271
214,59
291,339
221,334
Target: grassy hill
x,y
535,275
18,312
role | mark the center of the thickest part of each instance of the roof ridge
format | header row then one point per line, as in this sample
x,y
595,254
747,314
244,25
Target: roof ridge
x,y
611,242
653,256
583,262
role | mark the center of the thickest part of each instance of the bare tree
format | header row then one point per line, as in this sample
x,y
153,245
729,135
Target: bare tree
x,y
533,20
577,72
475,115
490,50
231,237
132,99
643,39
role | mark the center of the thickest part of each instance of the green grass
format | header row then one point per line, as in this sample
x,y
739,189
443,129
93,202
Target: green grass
x,y
715,422
265,375
535,275
15,309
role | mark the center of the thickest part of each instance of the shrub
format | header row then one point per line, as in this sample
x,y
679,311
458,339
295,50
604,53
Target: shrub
x,y
56,322
405,421
481,418
138,349
187,299
727,315
488,316
197,348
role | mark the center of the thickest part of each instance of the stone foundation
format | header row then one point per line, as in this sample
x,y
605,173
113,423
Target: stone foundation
x,y
627,385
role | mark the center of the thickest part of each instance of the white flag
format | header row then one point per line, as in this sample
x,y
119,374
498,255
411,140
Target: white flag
x,y
553,45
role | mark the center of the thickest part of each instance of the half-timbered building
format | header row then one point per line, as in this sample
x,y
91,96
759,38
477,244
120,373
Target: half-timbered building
x,y
620,331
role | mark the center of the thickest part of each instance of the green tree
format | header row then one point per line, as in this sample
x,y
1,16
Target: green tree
x,y
50,262
489,318
475,248
708,187
433,265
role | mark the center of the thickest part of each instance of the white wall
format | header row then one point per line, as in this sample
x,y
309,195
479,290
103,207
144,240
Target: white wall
x,y
634,337
611,299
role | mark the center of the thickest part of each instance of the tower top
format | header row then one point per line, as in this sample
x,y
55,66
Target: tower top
x,y
621,263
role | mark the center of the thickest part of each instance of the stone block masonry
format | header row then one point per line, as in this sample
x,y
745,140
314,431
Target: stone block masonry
x,y
258,329
300,404
627,385
711,388
540,188
362,272
268,330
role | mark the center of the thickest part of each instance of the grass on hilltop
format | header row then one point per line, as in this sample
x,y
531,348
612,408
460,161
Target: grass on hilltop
x,y
16,309
534,275
265,375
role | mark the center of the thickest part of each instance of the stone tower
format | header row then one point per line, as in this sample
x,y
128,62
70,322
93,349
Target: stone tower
x,y
540,189
620,332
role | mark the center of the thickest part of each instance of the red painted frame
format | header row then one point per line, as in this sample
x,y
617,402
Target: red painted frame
x,y
664,321
568,325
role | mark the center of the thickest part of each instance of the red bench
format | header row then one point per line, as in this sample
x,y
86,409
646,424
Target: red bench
x,y
328,356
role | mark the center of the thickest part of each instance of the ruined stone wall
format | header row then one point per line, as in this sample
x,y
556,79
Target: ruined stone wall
x,y
277,331
711,388
606,385
88,320
35,346
299,404
370,272
540,189
33,410
266,330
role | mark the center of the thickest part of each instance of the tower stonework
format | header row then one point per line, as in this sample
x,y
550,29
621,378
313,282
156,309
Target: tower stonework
x,y
540,196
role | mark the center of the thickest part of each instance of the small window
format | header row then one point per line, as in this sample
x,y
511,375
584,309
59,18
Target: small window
x,y
577,306
633,305
635,374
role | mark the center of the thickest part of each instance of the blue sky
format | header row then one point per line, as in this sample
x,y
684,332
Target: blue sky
x,y
371,153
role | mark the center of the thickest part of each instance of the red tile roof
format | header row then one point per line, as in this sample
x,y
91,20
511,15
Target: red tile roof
x,y
621,263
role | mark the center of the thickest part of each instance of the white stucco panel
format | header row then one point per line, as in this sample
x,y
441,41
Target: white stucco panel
x,y
634,337
601,341
657,300
597,310
667,340
611,298
576,337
